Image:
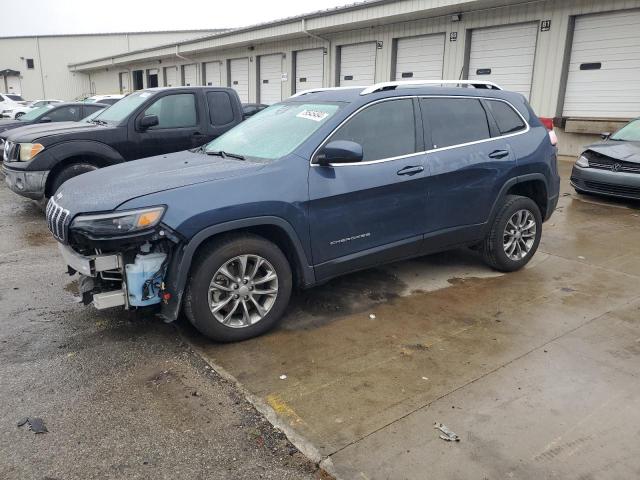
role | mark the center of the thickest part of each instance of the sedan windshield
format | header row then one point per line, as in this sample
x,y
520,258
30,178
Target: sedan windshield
x,y
275,131
120,110
629,133
35,113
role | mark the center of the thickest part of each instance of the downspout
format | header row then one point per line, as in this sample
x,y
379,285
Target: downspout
x,y
40,66
182,57
327,48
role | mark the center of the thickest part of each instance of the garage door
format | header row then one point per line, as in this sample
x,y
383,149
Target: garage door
x,y
239,77
419,58
309,69
357,64
270,78
171,76
504,55
604,71
190,75
124,82
213,74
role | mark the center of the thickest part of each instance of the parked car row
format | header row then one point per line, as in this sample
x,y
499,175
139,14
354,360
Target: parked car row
x,y
222,216
16,112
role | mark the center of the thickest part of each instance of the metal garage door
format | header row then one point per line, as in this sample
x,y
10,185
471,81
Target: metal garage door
x,y
170,76
270,78
504,55
239,77
357,64
213,74
309,69
420,58
604,71
124,82
190,75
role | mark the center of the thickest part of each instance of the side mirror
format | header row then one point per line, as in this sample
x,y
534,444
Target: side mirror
x,y
605,135
149,121
45,120
339,151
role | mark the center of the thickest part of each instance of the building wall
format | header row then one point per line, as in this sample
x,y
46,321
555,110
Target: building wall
x,y
51,77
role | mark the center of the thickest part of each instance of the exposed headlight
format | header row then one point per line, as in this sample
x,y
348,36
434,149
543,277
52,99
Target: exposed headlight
x,y
118,223
582,161
29,150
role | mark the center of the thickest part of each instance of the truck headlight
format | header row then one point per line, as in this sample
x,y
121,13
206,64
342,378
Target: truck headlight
x,y
118,223
582,161
29,150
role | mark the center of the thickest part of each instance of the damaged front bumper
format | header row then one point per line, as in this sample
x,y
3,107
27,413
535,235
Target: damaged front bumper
x,y
30,184
90,268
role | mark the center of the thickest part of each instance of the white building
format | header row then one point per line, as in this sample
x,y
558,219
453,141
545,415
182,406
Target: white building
x,y
38,66
576,60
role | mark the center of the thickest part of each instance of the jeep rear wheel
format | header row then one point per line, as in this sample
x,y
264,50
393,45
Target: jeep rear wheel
x,y
514,236
239,288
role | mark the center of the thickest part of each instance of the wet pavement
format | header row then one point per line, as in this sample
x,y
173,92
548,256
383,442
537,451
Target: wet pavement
x,y
121,394
535,370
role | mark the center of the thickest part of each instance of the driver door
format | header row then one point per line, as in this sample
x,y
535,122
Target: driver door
x,y
368,212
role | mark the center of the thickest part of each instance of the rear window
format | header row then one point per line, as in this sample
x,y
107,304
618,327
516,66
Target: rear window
x,y
454,121
220,108
507,119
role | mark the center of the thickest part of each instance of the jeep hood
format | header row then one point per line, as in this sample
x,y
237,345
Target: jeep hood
x,y
623,151
31,133
105,189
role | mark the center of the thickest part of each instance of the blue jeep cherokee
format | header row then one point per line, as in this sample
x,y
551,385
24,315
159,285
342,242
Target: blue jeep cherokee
x,y
327,182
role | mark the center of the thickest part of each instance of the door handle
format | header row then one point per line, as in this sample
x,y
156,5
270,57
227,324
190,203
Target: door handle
x,y
410,170
499,154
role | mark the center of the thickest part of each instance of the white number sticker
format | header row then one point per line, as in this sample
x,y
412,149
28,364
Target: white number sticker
x,y
313,115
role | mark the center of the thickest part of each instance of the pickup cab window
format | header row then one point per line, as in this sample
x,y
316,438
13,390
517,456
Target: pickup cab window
x,y
174,111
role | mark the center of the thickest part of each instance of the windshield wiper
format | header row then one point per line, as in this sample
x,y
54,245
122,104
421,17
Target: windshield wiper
x,y
220,153
98,122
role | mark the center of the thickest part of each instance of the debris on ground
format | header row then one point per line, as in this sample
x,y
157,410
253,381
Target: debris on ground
x,y
283,377
36,425
447,434
372,316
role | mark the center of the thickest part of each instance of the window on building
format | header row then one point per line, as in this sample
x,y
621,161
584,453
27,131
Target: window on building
x,y
30,63
454,121
220,108
507,119
174,111
393,118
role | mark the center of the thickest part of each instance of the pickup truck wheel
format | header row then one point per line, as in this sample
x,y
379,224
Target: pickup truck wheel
x,y
239,289
69,172
514,236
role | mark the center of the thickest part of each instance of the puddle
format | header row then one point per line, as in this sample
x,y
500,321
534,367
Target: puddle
x,y
38,238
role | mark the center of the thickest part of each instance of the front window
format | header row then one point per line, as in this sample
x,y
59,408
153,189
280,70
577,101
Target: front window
x,y
174,111
121,110
629,133
35,113
275,131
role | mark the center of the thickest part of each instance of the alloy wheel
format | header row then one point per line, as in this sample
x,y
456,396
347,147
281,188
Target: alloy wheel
x,y
519,235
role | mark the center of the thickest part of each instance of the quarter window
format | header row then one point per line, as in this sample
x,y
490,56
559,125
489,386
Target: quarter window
x,y
385,130
454,121
507,119
174,111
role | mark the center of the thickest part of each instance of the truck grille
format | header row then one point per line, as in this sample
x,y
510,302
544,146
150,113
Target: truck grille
x,y
606,163
57,220
9,151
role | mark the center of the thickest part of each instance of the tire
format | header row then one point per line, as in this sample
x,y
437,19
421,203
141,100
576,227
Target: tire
x,y
69,172
493,247
18,115
199,295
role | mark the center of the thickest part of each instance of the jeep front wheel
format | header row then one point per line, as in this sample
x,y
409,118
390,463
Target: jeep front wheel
x,y
239,288
514,236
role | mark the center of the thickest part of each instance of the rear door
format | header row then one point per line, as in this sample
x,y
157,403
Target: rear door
x,y
372,211
468,164
178,129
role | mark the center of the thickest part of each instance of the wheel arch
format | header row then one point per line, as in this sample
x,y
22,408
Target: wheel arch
x,y
274,229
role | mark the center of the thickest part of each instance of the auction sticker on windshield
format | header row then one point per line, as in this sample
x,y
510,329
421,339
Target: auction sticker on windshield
x,y
313,115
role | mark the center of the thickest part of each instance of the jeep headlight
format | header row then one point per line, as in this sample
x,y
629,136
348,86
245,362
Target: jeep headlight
x,y
582,161
29,150
118,223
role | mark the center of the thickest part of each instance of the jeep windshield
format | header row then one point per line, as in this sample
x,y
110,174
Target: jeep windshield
x,y
629,133
273,132
121,110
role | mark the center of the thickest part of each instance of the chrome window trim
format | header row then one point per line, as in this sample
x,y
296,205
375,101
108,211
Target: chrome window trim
x,y
432,150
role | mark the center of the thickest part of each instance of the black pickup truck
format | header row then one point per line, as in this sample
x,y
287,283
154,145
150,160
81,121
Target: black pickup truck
x,y
40,158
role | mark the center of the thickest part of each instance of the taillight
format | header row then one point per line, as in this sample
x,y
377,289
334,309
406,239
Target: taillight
x,y
548,124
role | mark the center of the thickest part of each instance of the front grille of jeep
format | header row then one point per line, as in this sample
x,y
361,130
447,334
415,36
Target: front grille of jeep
x,y
57,220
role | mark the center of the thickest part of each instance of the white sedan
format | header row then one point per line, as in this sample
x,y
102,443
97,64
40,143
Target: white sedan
x,y
19,110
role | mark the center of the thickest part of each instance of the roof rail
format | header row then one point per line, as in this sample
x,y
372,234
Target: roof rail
x,y
316,90
378,87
